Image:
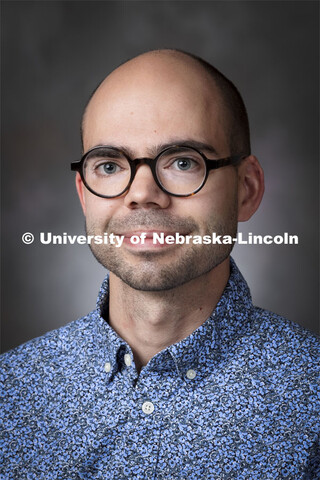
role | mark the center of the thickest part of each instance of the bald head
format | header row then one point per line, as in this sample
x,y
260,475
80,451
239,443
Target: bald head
x,y
165,78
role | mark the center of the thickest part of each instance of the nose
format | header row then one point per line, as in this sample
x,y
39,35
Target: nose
x,y
144,192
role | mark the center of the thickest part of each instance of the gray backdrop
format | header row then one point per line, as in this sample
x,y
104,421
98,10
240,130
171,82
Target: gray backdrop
x,y
53,56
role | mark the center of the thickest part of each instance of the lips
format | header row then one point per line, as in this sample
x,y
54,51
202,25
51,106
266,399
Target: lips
x,y
148,233
148,237
151,240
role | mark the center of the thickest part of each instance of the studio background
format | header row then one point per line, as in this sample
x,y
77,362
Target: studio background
x,y
53,56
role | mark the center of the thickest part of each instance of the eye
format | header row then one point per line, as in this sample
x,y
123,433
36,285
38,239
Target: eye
x,y
184,164
108,168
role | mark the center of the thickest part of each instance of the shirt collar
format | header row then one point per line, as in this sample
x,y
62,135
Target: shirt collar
x,y
206,344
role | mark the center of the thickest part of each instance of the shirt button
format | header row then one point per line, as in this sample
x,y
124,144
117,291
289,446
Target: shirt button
x,y
147,408
127,359
191,374
107,367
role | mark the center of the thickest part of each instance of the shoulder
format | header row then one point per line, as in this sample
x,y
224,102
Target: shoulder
x,y
282,330
285,347
51,369
54,348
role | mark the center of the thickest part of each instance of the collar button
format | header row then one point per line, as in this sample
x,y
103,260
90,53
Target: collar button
x,y
107,367
127,360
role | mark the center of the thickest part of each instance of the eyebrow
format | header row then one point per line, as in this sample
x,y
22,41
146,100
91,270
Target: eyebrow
x,y
186,143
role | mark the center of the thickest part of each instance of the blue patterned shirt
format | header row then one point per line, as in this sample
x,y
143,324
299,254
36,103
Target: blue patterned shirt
x,y
237,399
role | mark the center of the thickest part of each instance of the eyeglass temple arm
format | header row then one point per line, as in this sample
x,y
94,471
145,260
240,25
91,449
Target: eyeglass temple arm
x,y
75,166
224,162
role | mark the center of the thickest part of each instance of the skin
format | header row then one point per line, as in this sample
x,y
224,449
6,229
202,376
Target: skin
x,y
159,295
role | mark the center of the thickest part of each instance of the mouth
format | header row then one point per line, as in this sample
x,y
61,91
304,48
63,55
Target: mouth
x,y
150,239
148,233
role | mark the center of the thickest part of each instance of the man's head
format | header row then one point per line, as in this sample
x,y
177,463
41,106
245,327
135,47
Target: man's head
x,y
163,98
234,107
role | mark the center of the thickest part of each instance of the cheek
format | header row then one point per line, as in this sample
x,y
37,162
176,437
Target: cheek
x,y
99,210
216,200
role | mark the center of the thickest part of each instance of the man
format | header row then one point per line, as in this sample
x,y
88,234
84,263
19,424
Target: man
x,y
174,375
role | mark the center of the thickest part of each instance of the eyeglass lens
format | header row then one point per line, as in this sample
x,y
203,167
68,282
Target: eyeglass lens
x,y
179,170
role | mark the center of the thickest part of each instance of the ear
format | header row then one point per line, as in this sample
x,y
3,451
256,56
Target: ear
x,y
250,187
80,189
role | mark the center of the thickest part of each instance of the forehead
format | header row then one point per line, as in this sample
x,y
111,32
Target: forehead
x,y
153,101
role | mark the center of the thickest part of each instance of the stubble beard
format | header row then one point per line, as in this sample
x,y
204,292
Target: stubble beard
x,y
159,271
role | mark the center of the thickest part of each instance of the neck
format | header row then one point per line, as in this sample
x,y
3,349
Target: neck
x,y
151,321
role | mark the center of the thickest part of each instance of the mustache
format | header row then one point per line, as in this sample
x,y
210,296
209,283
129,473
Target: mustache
x,y
153,219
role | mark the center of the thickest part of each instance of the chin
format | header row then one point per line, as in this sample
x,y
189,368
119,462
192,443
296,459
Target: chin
x,y
151,275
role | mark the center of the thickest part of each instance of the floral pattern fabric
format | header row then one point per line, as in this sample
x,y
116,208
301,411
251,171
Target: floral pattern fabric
x,y
237,399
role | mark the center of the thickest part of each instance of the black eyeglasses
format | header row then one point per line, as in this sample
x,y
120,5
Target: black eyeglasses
x,y
180,171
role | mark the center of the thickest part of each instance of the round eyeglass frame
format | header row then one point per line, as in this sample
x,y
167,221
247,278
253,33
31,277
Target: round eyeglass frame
x,y
211,164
